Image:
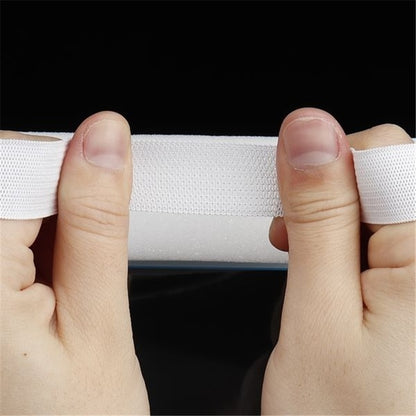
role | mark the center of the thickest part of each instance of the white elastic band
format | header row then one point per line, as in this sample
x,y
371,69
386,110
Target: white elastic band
x,y
386,181
199,176
206,175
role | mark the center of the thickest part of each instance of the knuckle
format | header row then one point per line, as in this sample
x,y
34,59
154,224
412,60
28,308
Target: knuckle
x,y
322,207
41,300
97,215
35,303
18,268
392,245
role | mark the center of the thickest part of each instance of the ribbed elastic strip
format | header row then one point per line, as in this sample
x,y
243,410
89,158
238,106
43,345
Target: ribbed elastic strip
x,y
386,181
203,175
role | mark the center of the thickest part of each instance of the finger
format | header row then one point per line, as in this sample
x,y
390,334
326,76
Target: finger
x,y
388,285
43,249
382,135
30,304
90,263
16,233
321,212
24,304
392,246
16,264
9,134
389,280
278,234
17,270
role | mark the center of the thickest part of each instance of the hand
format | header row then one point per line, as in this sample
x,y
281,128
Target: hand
x,y
347,338
66,339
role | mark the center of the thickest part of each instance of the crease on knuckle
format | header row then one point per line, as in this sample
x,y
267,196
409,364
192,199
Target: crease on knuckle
x,y
322,208
97,216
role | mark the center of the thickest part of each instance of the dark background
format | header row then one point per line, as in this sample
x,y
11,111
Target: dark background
x,y
206,68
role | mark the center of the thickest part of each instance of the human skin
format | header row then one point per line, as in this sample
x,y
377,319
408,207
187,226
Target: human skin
x,y
346,343
347,337
66,343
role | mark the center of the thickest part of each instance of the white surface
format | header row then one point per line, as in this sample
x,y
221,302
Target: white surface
x,y
203,198
209,238
388,187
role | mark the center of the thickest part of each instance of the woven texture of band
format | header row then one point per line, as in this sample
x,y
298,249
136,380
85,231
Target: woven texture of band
x,y
203,175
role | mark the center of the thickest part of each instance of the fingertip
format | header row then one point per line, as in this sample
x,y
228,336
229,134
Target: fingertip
x,y
309,112
309,138
115,129
101,115
278,234
20,231
378,136
96,177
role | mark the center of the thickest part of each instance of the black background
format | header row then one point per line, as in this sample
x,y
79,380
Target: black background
x,y
206,68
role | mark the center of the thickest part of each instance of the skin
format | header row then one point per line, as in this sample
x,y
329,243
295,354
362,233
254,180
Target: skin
x,y
347,338
66,345
346,342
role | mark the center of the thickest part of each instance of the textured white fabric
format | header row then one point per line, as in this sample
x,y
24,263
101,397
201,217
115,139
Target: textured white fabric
x,y
204,198
205,175
386,180
29,175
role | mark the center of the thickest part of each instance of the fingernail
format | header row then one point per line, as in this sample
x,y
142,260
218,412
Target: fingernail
x,y
310,142
105,144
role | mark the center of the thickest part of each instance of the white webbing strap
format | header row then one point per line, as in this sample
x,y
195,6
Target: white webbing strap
x,y
203,175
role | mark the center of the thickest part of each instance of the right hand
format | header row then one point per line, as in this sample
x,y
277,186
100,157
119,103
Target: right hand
x,y
347,337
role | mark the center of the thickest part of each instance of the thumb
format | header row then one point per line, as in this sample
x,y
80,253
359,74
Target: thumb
x,y
321,215
90,263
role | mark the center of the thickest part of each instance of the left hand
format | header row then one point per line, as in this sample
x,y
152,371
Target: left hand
x,y
66,338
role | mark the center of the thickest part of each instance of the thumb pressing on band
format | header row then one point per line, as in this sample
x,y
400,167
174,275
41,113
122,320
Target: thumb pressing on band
x,y
323,307
90,264
321,215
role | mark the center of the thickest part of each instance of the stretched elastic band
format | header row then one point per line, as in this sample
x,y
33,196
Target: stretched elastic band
x,y
203,175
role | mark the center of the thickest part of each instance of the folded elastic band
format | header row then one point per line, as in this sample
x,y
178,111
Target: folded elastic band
x,y
203,176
